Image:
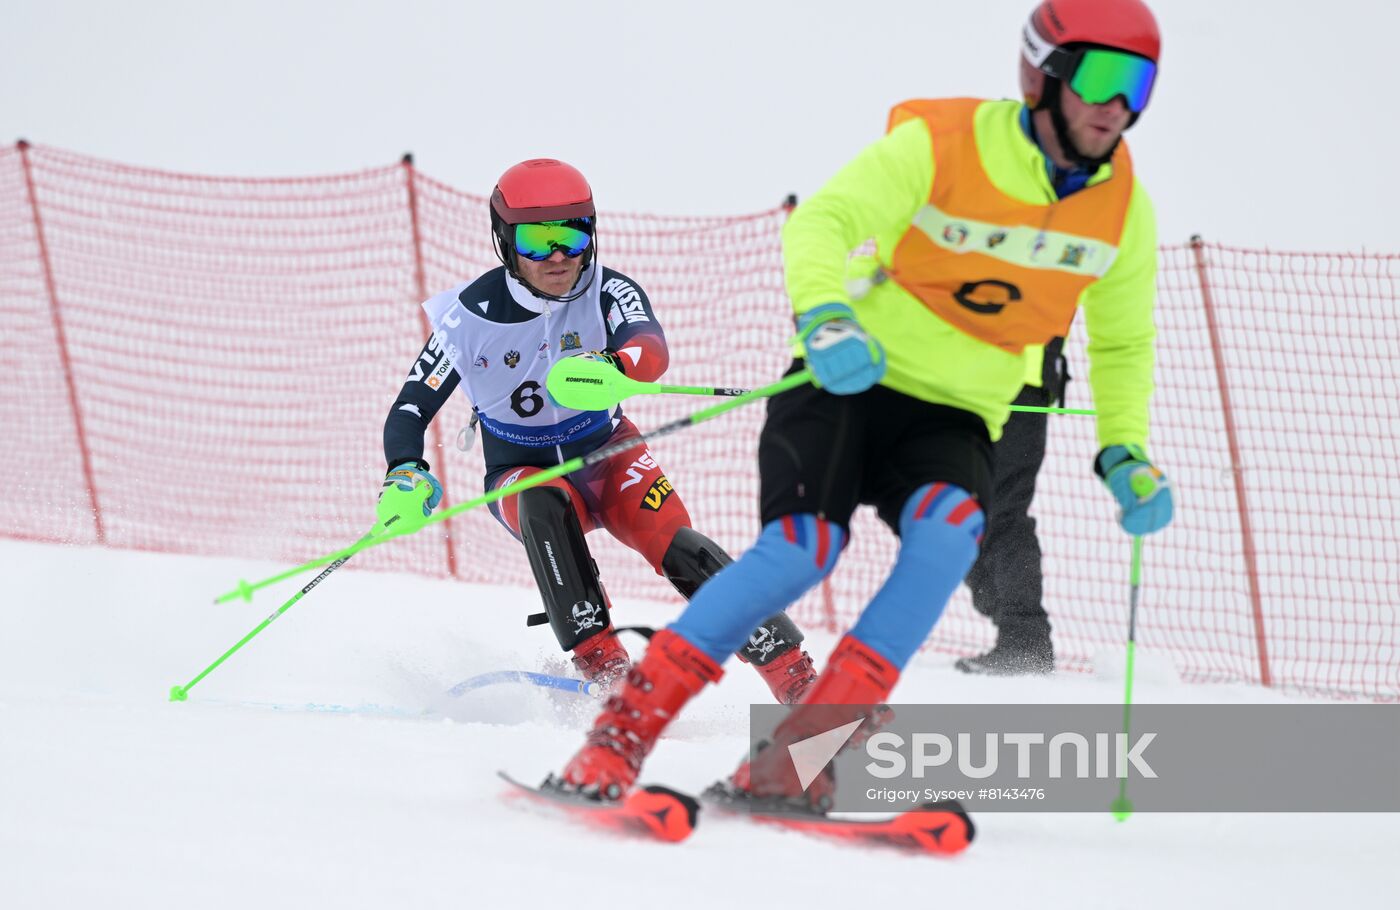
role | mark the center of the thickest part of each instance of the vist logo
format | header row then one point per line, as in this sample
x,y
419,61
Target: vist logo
x,y
638,470
427,360
628,301
658,494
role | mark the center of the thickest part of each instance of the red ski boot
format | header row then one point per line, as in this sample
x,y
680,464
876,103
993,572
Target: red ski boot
x,y
853,686
789,675
670,674
602,659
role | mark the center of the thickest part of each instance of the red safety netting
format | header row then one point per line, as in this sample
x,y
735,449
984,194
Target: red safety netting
x,y
203,365
1278,431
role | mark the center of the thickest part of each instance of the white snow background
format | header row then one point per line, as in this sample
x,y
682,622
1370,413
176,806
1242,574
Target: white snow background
x,y
254,794
1272,124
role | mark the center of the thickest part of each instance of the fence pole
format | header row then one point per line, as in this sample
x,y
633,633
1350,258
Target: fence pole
x,y
420,288
57,316
1236,465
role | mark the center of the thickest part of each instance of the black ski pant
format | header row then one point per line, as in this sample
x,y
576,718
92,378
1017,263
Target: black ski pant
x,y
1006,579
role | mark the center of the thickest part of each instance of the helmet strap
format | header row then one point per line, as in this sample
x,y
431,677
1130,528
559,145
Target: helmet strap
x,y
502,244
579,290
503,241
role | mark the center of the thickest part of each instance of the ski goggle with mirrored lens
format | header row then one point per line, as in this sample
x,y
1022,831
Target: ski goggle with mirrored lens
x,y
538,241
1103,75
1099,75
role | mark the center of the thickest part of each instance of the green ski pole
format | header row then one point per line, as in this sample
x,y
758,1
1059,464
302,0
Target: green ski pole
x,y
1122,806
245,589
1035,409
180,693
592,385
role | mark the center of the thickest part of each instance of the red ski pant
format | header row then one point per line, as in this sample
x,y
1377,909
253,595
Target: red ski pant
x,y
627,494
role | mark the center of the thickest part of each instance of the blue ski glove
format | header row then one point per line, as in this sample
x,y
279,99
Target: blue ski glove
x,y
843,359
403,495
1142,490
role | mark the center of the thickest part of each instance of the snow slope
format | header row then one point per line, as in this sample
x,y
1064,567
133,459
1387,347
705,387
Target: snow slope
x,y
111,796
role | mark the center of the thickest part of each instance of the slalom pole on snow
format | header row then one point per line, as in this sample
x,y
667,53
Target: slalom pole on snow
x,y
246,589
1122,806
542,680
181,693
592,385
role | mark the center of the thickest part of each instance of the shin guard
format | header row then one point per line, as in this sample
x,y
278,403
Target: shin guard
x,y
773,648
574,602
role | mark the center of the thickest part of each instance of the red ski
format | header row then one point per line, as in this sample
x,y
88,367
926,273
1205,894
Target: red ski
x,y
655,812
943,828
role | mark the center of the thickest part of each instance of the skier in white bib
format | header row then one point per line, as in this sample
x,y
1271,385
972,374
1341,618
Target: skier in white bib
x,y
497,337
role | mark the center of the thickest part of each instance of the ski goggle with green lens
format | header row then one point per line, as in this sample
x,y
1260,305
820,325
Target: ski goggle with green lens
x,y
1102,75
538,241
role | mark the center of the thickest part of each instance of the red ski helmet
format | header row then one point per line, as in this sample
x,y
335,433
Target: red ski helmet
x,y
1058,28
1102,48
541,189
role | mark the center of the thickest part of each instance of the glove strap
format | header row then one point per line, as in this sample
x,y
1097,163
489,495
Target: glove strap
x,y
1111,457
808,322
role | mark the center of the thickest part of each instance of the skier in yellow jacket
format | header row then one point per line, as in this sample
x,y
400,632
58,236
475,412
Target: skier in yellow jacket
x,y
985,249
